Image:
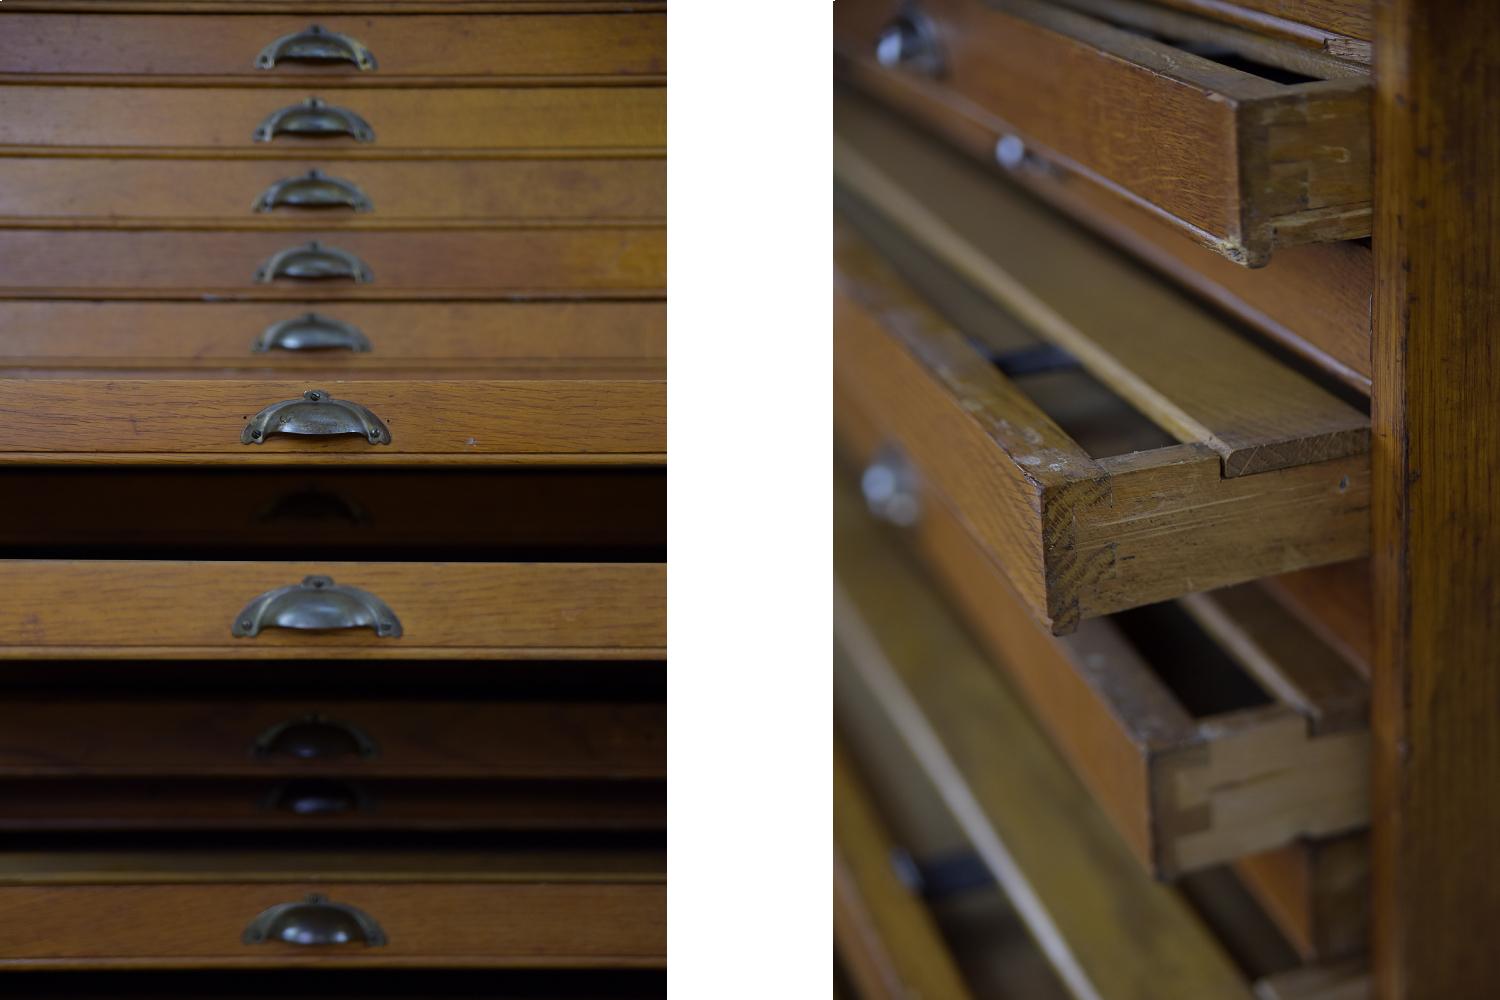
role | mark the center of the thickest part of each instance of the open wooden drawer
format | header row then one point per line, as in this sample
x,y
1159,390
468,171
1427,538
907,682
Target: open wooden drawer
x,y
1211,728
576,413
185,907
1221,464
1244,142
256,610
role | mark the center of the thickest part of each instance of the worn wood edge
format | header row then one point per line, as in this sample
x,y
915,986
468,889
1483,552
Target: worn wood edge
x,y
262,82
367,652
1349,980
326,460
1319,30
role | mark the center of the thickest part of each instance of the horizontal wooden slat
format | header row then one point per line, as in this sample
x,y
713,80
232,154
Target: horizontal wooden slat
x,y
410,119
505,47
424,263
140,608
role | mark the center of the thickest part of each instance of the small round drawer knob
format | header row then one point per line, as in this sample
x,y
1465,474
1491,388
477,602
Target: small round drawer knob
x,y
910,42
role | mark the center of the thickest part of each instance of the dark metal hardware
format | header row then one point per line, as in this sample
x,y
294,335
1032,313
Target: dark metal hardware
x,y
315,44
313,189
943,876
311,332
889,484
319,797
317,603
315,262
317,414
314,117
910,41
314,737
315,921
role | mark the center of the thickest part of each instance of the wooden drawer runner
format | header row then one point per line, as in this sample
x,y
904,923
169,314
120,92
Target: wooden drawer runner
x,y
628,261
312,805
417,120
576,419
628,47
191,908
1236,158
1270,472
1208,730
258,737
176,610
241,194
262,333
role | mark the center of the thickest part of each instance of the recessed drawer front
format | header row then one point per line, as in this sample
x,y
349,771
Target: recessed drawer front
x,y
288,193
628,261
620,419
189,737
66,608
272,120
351,49
1237,158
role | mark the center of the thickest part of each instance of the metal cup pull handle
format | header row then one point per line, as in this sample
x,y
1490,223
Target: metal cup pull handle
x,y
319,797
315,44
316,414
910,41
311,332
314,117
313,189
317,603
314,262
313,921
314,736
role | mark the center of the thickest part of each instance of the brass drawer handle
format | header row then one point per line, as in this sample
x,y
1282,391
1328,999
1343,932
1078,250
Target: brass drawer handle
x,y
314,262
319,797
315,44
314,117
314,736
316,414
910,41
315,921
311,332
317,603
313,189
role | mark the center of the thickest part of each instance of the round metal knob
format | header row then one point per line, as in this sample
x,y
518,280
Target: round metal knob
x,y
910,42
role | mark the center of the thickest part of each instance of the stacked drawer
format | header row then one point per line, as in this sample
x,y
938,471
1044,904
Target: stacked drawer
x,y
1137,524
332,356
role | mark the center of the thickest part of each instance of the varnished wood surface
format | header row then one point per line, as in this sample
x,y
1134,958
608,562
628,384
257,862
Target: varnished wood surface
x,y
1158,125
138,608
1436,516
535,47
129,419
404,120
1351,18
194,737
83,332
1108,928
423,263
72,192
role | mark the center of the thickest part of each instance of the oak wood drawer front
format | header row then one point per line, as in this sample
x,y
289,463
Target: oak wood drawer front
x,y
410,120
213,333
192,908
1271,473
207,420
530,47
1207,731
181,610
283,194
316,804
243,738
630,261
1240,161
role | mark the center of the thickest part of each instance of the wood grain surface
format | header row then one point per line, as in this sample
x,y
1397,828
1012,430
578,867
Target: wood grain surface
x,y
126,608
406,120
535,47
1318,893
73,192
423,263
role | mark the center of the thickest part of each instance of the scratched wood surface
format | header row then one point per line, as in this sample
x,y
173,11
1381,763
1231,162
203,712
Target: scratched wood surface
x,y
201,736
128,418
71,192
1240,161
427,263
1108,928
453,120
533,48
119,608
